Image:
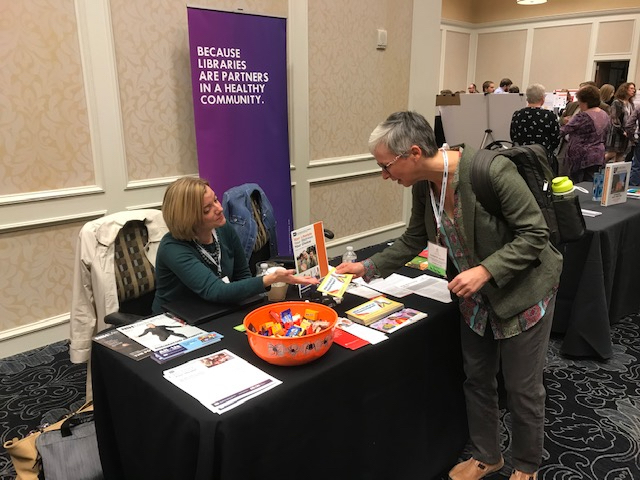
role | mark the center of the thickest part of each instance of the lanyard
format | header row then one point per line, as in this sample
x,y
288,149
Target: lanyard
x,y
217,253
437,212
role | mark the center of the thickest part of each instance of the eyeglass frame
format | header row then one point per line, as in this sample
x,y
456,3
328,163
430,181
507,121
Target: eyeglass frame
x,y
395,159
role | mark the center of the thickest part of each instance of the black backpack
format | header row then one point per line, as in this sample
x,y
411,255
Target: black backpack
x,y
562,214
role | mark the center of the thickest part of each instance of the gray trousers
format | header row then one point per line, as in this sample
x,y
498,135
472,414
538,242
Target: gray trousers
x,y
522,359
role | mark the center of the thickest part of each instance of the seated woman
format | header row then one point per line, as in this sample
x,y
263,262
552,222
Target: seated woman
x,y
201,256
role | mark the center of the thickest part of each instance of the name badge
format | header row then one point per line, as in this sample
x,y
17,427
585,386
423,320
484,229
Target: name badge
x,y
437,259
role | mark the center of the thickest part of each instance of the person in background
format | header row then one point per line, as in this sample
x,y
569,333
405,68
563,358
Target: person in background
x,y
201,256
617,142
632,129
505,83
606,96
514,89
534,124
587,131
503,271
472,88
488,87
571,108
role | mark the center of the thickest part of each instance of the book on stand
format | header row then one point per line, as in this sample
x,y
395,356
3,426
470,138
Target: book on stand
x,y
310,253
616,183
374,309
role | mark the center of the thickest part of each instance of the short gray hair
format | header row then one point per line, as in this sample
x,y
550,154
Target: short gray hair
x,y
401,130
535,93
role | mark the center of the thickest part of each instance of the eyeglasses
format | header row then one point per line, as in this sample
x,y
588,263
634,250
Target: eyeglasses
x,y
386,167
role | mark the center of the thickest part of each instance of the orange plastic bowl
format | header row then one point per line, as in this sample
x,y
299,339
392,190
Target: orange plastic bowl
x,y
288,351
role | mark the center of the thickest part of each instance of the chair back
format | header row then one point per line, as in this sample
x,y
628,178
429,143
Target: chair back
x,y
135,276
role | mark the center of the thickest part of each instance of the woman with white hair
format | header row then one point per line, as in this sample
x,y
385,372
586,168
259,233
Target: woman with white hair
x,y
534,124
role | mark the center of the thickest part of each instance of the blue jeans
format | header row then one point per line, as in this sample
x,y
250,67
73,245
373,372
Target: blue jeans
x,y
634,177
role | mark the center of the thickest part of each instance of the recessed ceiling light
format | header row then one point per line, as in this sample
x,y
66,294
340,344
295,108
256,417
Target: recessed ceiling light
x,y
530,2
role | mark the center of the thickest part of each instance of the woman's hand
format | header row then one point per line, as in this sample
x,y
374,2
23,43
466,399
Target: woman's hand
x,y
470,281
281,275
354,268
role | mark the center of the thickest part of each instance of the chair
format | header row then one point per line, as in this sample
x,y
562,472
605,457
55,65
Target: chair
x,y
114,278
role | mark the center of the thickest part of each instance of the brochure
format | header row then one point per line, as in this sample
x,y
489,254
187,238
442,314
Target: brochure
x,y
167,353
221,381
397,320
118,341
420,261
335,284
310,251
162,331
373,310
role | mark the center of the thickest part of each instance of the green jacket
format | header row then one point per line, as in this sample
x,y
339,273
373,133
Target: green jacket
x,y
516,249
181,273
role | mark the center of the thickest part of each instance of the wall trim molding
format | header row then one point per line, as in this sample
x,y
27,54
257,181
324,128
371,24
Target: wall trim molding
x,y
340,160
347,240
37,334
343,176
49,222
155,182
43,195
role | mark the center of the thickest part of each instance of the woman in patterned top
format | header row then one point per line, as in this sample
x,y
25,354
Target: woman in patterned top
x,y
503,271
587,131
534,124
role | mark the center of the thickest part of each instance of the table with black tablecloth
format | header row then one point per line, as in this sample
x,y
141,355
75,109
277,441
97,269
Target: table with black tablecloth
x,y
391,410
597,286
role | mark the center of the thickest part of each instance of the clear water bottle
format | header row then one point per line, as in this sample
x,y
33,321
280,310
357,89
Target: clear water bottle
x,y
263,270
349,256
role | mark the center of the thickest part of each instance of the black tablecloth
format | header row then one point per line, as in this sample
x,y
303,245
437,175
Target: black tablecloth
x,y
597,286
392,410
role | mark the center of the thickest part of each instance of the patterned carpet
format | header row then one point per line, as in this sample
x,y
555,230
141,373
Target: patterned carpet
x,y
593,408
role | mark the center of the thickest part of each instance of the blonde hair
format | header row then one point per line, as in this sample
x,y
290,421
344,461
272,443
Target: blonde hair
x,y
606,92
182,206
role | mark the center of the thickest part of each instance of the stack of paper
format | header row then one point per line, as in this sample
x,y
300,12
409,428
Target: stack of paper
x,y
221,381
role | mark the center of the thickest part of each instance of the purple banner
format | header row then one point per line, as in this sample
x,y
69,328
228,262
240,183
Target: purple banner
x,y
239,80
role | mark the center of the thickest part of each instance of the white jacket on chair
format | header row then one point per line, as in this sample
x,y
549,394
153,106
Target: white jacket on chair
x,y
95,292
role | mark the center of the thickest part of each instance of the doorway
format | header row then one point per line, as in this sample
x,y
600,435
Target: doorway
x,y
614,72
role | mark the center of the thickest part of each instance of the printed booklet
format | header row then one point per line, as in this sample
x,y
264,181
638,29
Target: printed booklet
x,y
335,284
168,337
221,380
375,309
397,320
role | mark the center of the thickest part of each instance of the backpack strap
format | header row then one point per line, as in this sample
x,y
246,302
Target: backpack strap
x,y
481,181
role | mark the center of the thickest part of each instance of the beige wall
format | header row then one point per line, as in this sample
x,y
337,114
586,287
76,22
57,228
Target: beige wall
x,y
486,11
97,118
558,51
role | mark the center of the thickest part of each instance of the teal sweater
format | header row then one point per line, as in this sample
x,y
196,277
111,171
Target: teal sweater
x,y
182,274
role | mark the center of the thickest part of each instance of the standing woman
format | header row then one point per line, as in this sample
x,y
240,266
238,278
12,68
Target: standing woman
x,y
587,131
201,256
534,124
503,271
606,96
617,142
